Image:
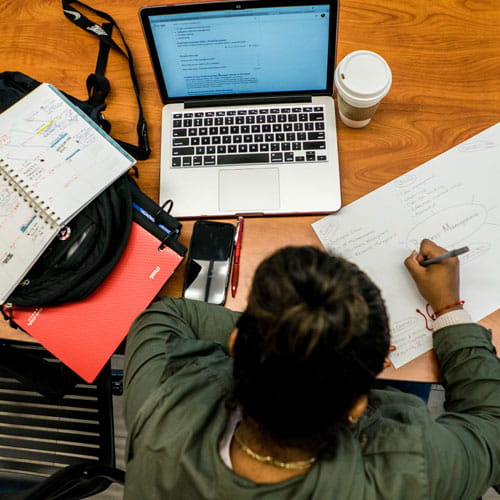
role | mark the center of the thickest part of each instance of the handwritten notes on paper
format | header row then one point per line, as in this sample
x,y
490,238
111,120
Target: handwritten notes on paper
x,y
57,152
454,200
53,161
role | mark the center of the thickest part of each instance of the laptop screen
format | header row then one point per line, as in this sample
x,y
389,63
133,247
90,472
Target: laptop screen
x,y
242,49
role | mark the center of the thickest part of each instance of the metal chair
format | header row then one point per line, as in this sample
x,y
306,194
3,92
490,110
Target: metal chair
x,y
56,431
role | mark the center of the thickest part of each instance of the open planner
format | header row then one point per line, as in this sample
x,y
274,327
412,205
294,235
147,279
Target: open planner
x,y
54,160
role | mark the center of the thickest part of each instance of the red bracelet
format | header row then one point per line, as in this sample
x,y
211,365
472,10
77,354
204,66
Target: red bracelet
x,y
432,315
449,306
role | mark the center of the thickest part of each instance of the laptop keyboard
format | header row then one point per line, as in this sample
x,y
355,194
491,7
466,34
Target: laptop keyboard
x,y
291,134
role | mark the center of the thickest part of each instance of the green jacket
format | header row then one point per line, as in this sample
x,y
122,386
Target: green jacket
x,y
177,375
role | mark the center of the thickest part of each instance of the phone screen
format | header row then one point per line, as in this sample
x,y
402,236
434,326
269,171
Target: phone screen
x,y
209,261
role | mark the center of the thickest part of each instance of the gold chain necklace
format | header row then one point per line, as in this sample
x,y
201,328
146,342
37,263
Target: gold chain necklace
x,y
301,464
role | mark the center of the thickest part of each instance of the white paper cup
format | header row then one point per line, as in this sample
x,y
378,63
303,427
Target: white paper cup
x,y
363,79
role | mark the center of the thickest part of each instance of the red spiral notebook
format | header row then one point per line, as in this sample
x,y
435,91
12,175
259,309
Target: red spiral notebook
x,y
85,334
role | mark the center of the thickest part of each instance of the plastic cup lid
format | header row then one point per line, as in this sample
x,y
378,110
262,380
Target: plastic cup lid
x,y
363,78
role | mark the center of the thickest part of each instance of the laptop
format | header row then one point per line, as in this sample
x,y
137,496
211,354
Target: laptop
x,y
248,123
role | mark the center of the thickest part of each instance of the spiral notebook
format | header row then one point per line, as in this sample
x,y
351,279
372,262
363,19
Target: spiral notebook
x,y
54,160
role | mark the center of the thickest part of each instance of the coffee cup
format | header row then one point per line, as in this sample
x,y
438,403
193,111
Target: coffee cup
x,y
362,79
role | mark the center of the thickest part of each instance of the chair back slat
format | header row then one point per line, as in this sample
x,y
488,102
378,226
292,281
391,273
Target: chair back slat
x,y
39,435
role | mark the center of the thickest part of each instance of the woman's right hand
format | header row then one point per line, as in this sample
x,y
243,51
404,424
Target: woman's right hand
x,y
439,284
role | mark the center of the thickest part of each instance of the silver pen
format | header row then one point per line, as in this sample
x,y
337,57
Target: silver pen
x,y
446,255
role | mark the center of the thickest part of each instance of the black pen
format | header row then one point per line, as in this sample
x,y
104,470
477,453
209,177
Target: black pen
x,y
446,255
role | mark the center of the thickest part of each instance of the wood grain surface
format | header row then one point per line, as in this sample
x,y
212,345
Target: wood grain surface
x,y
445,59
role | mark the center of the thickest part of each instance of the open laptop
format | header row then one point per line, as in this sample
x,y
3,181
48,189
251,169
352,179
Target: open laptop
x,y
248,126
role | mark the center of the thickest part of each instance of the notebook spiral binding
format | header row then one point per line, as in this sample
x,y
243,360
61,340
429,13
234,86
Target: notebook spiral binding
x,y
24,192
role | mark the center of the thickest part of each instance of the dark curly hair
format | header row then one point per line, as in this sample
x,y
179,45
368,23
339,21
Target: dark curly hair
x,y
311,341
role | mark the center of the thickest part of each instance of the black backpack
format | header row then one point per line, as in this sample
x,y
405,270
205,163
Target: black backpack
x,y
71,269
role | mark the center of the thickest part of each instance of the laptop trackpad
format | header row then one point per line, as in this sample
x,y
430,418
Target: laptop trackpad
x,y
250,189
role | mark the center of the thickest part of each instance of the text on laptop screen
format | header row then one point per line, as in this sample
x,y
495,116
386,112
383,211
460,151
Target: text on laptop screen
x,y
255,50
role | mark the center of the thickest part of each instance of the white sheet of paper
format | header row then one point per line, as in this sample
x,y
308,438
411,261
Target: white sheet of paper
x,y
54,160
452,199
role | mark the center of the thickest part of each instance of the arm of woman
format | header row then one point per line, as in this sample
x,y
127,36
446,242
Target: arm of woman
x,y
470,427
168,328
464,443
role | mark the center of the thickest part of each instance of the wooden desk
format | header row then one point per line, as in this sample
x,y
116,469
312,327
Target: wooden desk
x,y
445,59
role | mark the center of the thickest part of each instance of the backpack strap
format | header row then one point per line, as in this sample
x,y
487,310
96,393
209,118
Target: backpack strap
x,y
97,84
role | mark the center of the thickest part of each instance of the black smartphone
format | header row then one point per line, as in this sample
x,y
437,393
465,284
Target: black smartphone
x,y
209,261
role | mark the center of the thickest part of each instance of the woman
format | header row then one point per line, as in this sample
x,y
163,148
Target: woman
x,y
292,414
